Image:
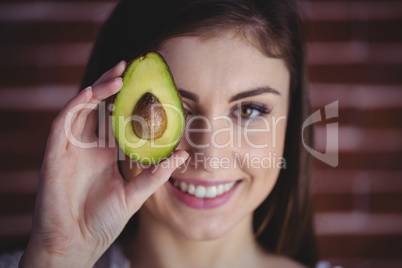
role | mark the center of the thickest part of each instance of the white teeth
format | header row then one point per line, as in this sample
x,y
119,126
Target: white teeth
x,y
183,186
228,186
211,192
191,189
202,191
220,189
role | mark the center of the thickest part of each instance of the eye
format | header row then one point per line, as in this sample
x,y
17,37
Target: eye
x,y
247,111
250,110
187,108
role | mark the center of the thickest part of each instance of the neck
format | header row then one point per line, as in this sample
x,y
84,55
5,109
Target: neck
x,y
155,245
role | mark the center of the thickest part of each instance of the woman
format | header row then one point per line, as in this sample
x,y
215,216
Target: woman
x,y
238,60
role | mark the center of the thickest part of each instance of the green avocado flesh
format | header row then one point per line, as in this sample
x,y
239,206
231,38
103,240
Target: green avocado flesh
x,y
148,118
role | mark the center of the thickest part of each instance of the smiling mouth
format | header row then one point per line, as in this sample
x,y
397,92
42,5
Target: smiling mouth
x,y
202,192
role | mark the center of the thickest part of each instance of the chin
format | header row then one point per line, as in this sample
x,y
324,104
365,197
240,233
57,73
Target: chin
x,y
205,232
165,211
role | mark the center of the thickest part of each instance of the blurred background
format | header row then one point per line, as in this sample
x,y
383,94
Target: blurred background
x,y
355,58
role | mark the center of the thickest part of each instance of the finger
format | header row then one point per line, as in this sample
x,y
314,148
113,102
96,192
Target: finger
x,y
104,90
57,137
145,184
58,124
116,71
86,119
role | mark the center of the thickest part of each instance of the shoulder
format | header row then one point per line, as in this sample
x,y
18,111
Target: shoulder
x,y
10,259
271,259
275,260
282,261
113,258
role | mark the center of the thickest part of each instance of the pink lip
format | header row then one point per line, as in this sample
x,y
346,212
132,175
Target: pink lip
x,y
202,182
206,203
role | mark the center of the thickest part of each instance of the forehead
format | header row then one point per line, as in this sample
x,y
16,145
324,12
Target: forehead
x,y
222,66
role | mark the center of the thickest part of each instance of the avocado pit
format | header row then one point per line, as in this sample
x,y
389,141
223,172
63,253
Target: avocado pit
x,y
152,119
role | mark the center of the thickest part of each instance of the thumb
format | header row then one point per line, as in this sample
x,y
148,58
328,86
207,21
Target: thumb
x,y
149,180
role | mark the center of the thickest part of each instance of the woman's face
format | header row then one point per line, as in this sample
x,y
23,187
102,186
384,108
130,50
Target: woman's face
x,y
237,102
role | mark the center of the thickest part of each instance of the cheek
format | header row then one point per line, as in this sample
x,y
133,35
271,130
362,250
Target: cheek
x,y
262,158
263,144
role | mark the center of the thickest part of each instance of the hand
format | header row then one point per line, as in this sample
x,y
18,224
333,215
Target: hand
x,y
83,203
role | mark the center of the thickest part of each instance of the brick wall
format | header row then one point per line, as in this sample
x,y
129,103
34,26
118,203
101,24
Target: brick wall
x,y
355,58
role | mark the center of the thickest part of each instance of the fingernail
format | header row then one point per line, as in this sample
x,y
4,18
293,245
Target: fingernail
x,y
182,159
120,62
121,65
117,79
86,89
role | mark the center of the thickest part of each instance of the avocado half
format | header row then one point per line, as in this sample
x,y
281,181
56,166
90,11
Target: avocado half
x,y
148,118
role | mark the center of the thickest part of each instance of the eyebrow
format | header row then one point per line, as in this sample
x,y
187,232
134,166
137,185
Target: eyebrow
x,y
241,95
254,92
188,95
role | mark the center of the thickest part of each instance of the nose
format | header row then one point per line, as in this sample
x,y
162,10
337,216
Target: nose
x,y
209,141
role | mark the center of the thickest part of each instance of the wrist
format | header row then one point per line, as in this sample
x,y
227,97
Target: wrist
x,y
37,256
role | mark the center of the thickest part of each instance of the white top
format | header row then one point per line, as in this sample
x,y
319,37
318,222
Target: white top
x,y
113,258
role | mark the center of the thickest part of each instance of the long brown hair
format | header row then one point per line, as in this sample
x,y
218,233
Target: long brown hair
x,y
283,222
